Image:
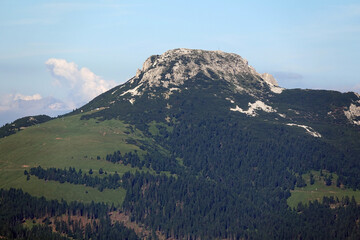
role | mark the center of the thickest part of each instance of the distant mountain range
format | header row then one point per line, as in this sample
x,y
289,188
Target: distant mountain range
x,y
206,148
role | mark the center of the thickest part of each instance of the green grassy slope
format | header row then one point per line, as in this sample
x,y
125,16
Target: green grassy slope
x,y
66,142
319,190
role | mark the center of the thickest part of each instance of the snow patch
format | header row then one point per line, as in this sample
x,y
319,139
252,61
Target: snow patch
x,y
174,89
308,129
258,105
276,89
117,89
271,81
167,94
353,113
132,100
282,115
269,78
232,101
296,112
133,92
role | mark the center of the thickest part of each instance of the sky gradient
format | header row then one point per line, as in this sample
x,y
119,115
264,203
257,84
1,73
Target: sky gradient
x,y
57,55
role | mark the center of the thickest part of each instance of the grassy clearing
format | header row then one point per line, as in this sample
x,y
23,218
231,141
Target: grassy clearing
x,y
30,223
66,191
154,128
66,142
319,190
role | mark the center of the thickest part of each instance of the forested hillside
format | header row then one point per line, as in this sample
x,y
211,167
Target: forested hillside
x,y
197,145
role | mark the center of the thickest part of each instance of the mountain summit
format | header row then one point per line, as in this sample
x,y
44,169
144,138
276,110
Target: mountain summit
x,y
198,145
227,80
174,67
179,65
249,141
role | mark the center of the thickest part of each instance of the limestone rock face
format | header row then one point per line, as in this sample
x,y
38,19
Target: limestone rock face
x,y
269,78
176,66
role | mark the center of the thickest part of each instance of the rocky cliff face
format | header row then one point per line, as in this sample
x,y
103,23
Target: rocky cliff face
x,y
175,67
231,83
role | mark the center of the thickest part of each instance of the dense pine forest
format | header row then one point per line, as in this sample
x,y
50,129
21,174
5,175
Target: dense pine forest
x,y
17,207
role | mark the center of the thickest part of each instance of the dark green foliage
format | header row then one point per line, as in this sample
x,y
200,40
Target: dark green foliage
x,y
300,182
232,173
185,206
14,127
312,180
36,232
318,102
16,206
102,230
338,182
321,221
155,160
76,177
328,180
236,171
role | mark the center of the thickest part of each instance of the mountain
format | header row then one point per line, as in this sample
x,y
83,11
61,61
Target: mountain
x,y
227,79
22,123
199,145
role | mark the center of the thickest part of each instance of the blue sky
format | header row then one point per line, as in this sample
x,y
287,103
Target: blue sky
x,y
55,55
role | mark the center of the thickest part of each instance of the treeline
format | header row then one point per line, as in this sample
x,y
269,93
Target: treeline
x,y
101,229
17,206
331,219
12,128
191,207
152,159
128,158
36,232
111,181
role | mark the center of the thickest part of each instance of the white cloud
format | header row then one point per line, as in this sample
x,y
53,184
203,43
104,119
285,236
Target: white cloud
x,y
14,106
19,96
84,85
56,106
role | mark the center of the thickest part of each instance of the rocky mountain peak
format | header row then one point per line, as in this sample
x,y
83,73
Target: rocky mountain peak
x,y
269,78
176,66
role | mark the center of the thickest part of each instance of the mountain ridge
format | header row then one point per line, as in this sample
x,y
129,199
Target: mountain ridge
x,y
176,66
204,152
245,90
